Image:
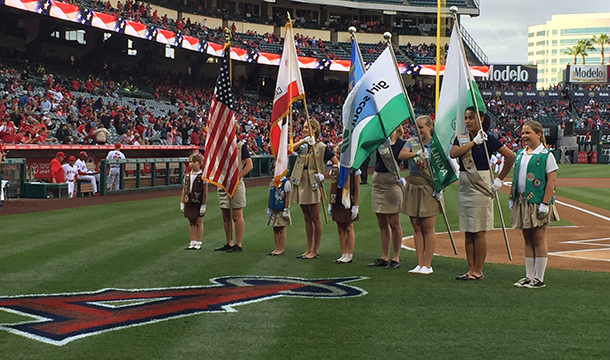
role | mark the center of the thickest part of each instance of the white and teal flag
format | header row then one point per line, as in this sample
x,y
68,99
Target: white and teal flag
x,y
374,108
458,91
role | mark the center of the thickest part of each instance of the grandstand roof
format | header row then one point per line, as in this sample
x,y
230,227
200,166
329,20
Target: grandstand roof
x,y
466,7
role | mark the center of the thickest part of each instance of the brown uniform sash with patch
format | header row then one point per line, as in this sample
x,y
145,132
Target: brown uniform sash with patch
x,y
471,168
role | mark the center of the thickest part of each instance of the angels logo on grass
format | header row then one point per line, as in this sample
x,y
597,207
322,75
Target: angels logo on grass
x,y
61,318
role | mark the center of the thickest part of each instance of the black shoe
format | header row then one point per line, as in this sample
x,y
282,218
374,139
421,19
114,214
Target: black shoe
x,y
225,247
235,248
363,183
393,265
379,262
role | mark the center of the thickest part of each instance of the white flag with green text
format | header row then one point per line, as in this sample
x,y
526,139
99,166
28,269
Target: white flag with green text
x,y
374,108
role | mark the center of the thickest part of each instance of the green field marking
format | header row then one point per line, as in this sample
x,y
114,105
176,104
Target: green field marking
x,y
599,197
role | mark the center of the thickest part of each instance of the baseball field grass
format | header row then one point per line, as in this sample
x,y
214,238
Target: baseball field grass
x,y
140,245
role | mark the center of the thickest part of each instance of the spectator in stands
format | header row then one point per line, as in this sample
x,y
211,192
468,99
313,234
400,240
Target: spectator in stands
x,y
149,135
7,131
171,136
127,137
63,134
101,135
195,136
24,99
56,169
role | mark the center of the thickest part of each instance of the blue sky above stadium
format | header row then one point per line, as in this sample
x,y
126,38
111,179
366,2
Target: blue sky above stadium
x,y
501,30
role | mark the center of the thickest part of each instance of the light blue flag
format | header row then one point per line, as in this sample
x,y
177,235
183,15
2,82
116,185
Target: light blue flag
x,y
356,70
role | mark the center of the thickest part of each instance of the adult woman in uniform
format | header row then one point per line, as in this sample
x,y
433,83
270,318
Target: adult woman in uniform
x,y
386,199
475,194
306,176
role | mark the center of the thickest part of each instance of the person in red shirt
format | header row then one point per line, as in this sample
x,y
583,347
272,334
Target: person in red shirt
x,y
195,137
56,169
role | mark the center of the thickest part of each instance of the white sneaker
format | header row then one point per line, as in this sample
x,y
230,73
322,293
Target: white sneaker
x,y
426,270
415,270
522,282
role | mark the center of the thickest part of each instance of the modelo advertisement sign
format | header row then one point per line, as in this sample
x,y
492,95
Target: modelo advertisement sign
x,y
511,73
575,95
589,74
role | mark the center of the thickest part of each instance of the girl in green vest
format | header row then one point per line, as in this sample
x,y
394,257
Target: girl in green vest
x,y
532,201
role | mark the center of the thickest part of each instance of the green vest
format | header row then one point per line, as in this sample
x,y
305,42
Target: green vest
x,y
535,177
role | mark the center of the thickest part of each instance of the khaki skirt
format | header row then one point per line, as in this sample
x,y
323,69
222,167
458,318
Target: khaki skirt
x,y
418,200
386,195
475,208
525,214
277,220
239,198
303,193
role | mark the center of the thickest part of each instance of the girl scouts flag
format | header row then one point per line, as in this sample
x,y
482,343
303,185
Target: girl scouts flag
x,y
373,109
289,88
459,91
356,70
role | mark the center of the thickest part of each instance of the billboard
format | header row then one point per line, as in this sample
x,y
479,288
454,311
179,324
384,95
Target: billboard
x,y
588,74
512,73
519,95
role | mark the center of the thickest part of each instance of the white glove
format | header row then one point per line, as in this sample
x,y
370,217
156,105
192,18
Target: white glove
x,y
319,177
182,207
268,212
511,204
354,211
330,210
202,210
310,141
437,195
286,213
387,142
481,136
497,184
543,211
422,153
402,182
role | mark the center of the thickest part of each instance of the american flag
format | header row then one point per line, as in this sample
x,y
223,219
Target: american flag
x,y
221,167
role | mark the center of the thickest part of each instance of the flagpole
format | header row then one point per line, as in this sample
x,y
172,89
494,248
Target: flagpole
x,y
388,36
313,148
454,10
227,52
438,54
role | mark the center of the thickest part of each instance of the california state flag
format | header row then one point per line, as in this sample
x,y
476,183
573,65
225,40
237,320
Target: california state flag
x,y
289,88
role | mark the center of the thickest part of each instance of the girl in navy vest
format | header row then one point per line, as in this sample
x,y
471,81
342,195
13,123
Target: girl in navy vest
x,y
532,201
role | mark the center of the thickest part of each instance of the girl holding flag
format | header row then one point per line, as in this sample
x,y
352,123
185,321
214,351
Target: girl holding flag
x,y
306,177
532,201
475,195
386,198
420,202
343,208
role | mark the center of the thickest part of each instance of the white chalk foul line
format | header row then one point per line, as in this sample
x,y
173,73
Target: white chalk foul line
x,y
589,242
583,210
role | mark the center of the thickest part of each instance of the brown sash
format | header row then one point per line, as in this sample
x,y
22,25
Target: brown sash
x,y
471,168
420,163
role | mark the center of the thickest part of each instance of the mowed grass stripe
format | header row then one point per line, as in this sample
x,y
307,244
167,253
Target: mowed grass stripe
x,y
599,197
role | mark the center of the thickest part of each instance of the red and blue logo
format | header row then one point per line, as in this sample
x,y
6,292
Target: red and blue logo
x,y
61,318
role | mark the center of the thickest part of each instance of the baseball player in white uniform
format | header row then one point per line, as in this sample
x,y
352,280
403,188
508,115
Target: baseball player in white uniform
x,y
115,169
83,172
71,173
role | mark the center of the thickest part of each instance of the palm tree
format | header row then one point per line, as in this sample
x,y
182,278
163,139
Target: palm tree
x,y
600,40
583,45
572,51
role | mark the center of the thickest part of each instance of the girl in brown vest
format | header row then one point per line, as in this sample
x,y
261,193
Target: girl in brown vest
x,y
344,215
192,201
